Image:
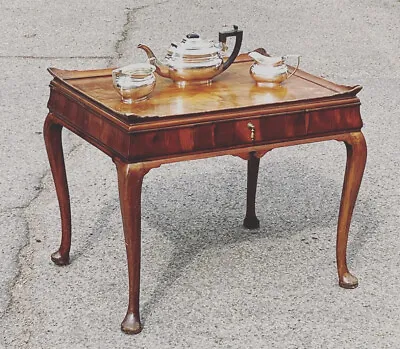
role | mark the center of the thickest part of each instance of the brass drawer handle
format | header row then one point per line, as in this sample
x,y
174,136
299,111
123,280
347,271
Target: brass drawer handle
x,y
252,129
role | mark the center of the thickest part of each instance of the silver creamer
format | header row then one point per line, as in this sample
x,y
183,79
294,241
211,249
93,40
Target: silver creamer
x,y
271,71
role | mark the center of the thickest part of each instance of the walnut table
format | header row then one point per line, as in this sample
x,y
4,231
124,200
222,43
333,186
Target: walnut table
x,y
232,116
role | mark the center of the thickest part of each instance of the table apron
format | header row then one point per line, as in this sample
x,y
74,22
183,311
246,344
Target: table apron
x,y
238,132
219,135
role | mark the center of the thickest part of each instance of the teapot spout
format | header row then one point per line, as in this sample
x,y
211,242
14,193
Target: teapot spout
x,y
161,69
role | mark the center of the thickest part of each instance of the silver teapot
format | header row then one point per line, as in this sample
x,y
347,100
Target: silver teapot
x,y
195,60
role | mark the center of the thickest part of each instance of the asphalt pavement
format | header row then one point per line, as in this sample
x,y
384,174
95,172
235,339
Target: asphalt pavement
x,y
206,281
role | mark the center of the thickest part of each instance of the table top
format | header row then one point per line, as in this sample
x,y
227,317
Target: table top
x,y
233,90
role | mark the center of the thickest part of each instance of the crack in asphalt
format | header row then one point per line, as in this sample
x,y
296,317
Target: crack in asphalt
x,y
39,188
127,28
21,256
21,261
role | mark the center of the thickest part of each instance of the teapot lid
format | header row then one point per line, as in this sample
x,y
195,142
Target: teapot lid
x,y
192,44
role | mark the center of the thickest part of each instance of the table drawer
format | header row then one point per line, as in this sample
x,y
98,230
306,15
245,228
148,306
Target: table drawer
x,y
242,132
217,135
259,130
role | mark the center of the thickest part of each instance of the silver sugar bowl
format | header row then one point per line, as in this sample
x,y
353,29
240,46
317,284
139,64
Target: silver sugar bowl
x,y
134,82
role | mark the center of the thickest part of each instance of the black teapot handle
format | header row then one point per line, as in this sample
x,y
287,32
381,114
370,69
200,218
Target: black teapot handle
x,y
238,34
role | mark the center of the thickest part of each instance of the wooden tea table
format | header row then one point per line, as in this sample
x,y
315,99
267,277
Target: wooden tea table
x,y
232,116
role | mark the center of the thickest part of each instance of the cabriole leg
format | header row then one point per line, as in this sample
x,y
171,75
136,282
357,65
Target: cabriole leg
x,y
356,159
130,178
251,221
52,137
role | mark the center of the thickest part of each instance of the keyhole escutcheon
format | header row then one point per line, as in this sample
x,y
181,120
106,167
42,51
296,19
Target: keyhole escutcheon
x,y
252,129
